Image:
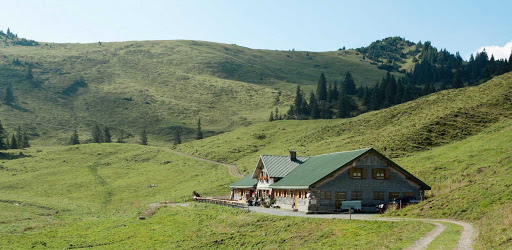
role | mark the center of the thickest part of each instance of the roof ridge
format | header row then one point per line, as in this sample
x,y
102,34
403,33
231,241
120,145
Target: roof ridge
x,y
343,151
285,155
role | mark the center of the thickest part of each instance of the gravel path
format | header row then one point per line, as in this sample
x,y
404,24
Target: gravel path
x,y
232,169
466,239
424,241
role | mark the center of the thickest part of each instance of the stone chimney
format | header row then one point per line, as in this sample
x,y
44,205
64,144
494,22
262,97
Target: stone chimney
x,y
293,155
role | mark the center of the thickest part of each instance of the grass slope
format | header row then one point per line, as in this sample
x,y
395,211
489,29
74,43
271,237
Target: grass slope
x,y
457,141
90,181
160,85
91,195
210,226
427,122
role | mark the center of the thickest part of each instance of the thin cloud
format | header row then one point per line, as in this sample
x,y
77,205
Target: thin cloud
x,y
497,51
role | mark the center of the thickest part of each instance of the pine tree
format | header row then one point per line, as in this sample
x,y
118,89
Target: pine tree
x,y
14,143
3,135
335,92
107,137
298,103
73,140
330,95
96,134
177,136
144,138
349,84
276,114
321,89
342,107
19,138
25,140
9,96
457,82
313,105
271,118
199,135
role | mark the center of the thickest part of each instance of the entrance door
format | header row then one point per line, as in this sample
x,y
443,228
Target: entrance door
x,y
338,198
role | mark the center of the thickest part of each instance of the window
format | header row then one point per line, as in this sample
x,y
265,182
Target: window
x,y
379,173
357,195
325,195
409,194
393,195
357,173
378,196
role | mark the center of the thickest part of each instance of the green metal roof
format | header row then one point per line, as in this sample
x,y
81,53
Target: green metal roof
x,y
316,168
246,182
280,166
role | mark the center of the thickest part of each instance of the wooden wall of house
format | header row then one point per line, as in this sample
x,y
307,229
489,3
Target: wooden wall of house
x,y
341,182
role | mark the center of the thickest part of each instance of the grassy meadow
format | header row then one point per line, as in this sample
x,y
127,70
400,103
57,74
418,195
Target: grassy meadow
x,y
457,141
211,226
159,85
91,195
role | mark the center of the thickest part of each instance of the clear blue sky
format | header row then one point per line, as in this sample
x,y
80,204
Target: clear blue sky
x,y
461,26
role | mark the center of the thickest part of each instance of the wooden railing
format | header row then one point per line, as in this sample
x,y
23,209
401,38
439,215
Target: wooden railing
x,y
222,202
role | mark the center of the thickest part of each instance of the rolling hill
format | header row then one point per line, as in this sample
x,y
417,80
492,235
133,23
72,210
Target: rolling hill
x,y
158,85
458,141
91,195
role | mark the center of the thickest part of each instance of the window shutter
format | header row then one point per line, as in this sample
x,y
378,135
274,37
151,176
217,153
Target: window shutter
x,y
386,173
374,173
364,173
350,173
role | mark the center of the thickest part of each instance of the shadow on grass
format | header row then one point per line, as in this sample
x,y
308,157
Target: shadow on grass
x,y
12,156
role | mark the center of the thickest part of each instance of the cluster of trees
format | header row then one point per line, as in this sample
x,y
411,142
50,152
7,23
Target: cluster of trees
x,y
99,135
434,70
103,135
14,37
17,140
329,100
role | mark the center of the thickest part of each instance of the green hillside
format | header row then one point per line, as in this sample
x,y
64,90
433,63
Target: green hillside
x,y
159,85
457,141
398,131
91,196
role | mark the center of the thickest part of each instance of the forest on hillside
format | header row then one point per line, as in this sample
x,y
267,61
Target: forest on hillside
x,y
433,71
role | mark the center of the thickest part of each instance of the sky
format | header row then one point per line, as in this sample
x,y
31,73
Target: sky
x,y
464,26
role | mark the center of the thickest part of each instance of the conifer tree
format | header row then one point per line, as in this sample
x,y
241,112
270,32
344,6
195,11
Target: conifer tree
x,y
349,84
330,96
313,105
144,138
321,89
9,96
25,140
177,136
276,114
14,143
199,135
3,136
19,138
97,136
271,118
74,138
335,92
342,107
107,137
457,82
298,104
